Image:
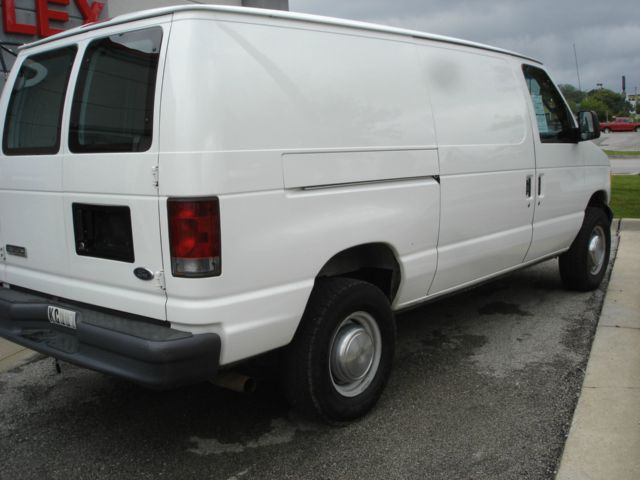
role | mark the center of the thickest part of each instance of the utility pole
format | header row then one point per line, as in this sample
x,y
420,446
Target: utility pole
x,y
575,55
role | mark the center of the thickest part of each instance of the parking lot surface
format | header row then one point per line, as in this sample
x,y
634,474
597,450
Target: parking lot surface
x,y
625,166
622,141
484,386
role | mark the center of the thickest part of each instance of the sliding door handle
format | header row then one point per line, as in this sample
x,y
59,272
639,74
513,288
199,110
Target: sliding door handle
x,y
540,189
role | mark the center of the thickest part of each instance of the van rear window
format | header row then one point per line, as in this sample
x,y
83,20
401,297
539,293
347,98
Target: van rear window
x,y
113,101
34,116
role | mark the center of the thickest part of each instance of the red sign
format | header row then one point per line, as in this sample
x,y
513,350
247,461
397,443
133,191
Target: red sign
x,y
44,15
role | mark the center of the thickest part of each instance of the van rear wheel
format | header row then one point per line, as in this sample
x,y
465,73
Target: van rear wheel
x,y
340,359
583,266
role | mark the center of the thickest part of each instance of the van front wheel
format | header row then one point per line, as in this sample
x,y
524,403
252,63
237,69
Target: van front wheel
x,y
583,266
340,359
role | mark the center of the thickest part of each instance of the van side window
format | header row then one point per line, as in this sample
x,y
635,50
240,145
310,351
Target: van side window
x,y
34,116
113,101
554,120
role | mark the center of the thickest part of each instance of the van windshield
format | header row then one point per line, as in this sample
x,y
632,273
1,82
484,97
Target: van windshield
x,y
34,116
114,97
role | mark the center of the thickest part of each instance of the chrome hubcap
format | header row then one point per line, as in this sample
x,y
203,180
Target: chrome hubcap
x,y
596,250
355,354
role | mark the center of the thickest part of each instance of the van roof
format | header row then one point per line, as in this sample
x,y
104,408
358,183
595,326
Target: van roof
x,y
275,14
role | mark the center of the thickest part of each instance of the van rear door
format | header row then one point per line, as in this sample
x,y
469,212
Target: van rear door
x,y
91,227
31,212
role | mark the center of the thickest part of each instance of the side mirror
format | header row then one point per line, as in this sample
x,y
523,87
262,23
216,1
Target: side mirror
x,y
589,126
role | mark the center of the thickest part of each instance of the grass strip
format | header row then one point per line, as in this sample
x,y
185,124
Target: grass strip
x,y
620,153
625,196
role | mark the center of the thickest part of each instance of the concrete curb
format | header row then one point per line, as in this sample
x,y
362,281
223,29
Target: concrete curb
x,y
12,355
604,439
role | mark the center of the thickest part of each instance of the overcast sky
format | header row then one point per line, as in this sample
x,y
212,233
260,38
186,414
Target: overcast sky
x,y
606,33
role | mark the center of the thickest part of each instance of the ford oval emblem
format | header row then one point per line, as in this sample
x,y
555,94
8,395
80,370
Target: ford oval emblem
x,y
143,274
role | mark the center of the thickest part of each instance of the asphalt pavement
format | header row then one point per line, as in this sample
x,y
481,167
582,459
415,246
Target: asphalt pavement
x,y
624,142
620,141
484,386
625,166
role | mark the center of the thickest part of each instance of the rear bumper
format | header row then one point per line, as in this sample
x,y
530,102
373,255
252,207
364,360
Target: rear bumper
x,y
146,353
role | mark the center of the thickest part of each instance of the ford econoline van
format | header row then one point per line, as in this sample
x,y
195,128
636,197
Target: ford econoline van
x,y
186,188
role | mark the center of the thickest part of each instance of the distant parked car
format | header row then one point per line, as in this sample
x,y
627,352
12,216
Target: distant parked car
x,y
620,124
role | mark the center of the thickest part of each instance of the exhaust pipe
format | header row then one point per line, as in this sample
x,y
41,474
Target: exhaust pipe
x,y
236,382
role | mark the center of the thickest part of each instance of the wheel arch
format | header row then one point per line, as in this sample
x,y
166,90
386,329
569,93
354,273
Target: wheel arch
x,y
375,263
600,200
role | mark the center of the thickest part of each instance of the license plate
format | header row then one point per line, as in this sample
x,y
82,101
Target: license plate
x,y
62,316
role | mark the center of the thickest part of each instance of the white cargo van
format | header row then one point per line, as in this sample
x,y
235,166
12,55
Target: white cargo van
x,y
186,188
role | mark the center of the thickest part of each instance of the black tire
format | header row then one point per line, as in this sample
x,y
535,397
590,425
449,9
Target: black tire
x,y
579,269
309,381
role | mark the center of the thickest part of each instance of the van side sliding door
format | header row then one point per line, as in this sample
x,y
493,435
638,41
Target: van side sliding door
x,y
559,180
486,161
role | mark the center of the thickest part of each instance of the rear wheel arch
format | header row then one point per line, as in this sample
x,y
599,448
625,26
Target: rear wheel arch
x,y
375,263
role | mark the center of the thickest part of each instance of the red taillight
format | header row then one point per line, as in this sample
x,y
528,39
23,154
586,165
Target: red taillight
x,y
194,237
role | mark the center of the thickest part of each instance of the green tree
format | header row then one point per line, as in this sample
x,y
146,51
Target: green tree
x,y
615,103
595,105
